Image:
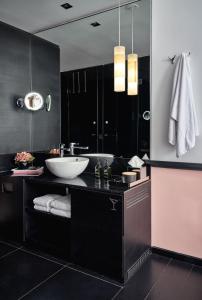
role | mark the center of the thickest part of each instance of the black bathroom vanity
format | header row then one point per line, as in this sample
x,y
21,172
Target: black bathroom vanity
x,y
109,231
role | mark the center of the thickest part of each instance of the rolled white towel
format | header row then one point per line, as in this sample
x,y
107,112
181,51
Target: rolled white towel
x,y
41,208
61,213
46,200
62,203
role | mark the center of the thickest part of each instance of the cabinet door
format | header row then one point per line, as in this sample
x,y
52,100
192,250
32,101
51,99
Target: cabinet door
x,y
96,232
120,118
110,111
11,208
80,101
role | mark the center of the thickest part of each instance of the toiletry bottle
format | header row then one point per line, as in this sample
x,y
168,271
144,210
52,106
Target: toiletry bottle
x,y
107,171
98,169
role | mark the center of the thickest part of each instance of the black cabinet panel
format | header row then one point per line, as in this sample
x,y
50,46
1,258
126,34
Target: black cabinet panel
x,y
11,208
96,232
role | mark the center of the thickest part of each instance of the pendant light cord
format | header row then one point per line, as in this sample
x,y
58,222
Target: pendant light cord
x,y
119,22
132,32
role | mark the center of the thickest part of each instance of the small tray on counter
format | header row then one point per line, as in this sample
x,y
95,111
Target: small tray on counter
x,y
28,172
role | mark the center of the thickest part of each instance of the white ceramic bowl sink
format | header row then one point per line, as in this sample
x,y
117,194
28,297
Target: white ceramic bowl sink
x,y
67,167
102,158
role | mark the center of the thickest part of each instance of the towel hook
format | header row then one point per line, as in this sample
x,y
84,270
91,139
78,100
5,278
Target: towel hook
x,y
173,59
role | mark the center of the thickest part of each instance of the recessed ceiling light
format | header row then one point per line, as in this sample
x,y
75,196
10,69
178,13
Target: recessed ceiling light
x,y
66,5
95,24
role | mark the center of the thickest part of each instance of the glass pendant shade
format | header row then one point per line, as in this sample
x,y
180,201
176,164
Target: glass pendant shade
x,y
119,68
132,74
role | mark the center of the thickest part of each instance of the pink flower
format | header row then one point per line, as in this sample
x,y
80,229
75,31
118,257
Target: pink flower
x,y
24,157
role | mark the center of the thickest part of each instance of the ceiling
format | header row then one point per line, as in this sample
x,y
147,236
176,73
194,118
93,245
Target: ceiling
x,y
81,44
34,15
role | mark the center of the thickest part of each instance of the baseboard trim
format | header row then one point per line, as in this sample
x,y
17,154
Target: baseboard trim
x,y
179,256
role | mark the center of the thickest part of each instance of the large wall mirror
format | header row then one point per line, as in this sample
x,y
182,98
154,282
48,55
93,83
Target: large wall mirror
x,y
92,113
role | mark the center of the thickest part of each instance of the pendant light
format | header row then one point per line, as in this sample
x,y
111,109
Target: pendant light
x,y
119,62
132,69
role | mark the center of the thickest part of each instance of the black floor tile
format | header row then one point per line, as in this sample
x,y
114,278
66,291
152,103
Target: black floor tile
x,y
21,271
73,285
193,287
5,249
141,283
44,255
172,282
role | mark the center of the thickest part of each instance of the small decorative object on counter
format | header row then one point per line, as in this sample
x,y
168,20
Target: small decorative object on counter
x,y
98,169
129,177
55,151
32,171
107,171
24,160
141,172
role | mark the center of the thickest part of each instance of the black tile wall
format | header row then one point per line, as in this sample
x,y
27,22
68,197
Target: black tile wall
x,y
27,63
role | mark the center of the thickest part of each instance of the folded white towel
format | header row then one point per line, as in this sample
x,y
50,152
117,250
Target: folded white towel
x,y
44,199
62,203
41,208
61,213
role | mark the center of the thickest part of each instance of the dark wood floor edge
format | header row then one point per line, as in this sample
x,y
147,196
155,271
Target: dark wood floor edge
x,y
175,165
179,256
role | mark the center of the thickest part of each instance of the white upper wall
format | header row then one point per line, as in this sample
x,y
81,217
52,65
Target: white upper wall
x,y
176,26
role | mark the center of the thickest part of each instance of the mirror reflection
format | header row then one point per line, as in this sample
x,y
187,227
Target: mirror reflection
x,y
92,113
34,101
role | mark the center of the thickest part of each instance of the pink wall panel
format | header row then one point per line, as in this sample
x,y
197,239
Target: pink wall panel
x,y
177,210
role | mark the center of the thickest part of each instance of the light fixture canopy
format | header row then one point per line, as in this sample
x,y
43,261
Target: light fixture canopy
x,y
119,62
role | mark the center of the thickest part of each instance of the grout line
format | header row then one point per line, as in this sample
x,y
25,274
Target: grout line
x,y
9,244
11,252
119,291
42,282
96,277
169,262
38,255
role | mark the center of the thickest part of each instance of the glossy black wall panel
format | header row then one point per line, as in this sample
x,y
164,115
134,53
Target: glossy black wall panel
x,y
20,129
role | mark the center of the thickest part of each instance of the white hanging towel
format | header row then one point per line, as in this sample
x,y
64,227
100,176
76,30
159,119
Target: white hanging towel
x,y
183,123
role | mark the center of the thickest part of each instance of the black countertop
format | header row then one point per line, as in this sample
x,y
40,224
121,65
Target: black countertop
x,y
83,182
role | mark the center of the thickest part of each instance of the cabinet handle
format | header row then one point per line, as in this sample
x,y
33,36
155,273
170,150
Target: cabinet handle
x,y
73,87
78,77
85,87
7,188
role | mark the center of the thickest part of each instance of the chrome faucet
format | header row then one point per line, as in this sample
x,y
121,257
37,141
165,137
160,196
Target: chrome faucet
x,y
71,148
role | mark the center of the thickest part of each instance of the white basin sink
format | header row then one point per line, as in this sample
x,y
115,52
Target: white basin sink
x,y
103,157
67,167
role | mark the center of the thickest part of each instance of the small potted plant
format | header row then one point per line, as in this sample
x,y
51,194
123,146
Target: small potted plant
x,y
24,160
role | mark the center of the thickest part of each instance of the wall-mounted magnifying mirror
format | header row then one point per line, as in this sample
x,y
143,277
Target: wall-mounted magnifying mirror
x,y
33,101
